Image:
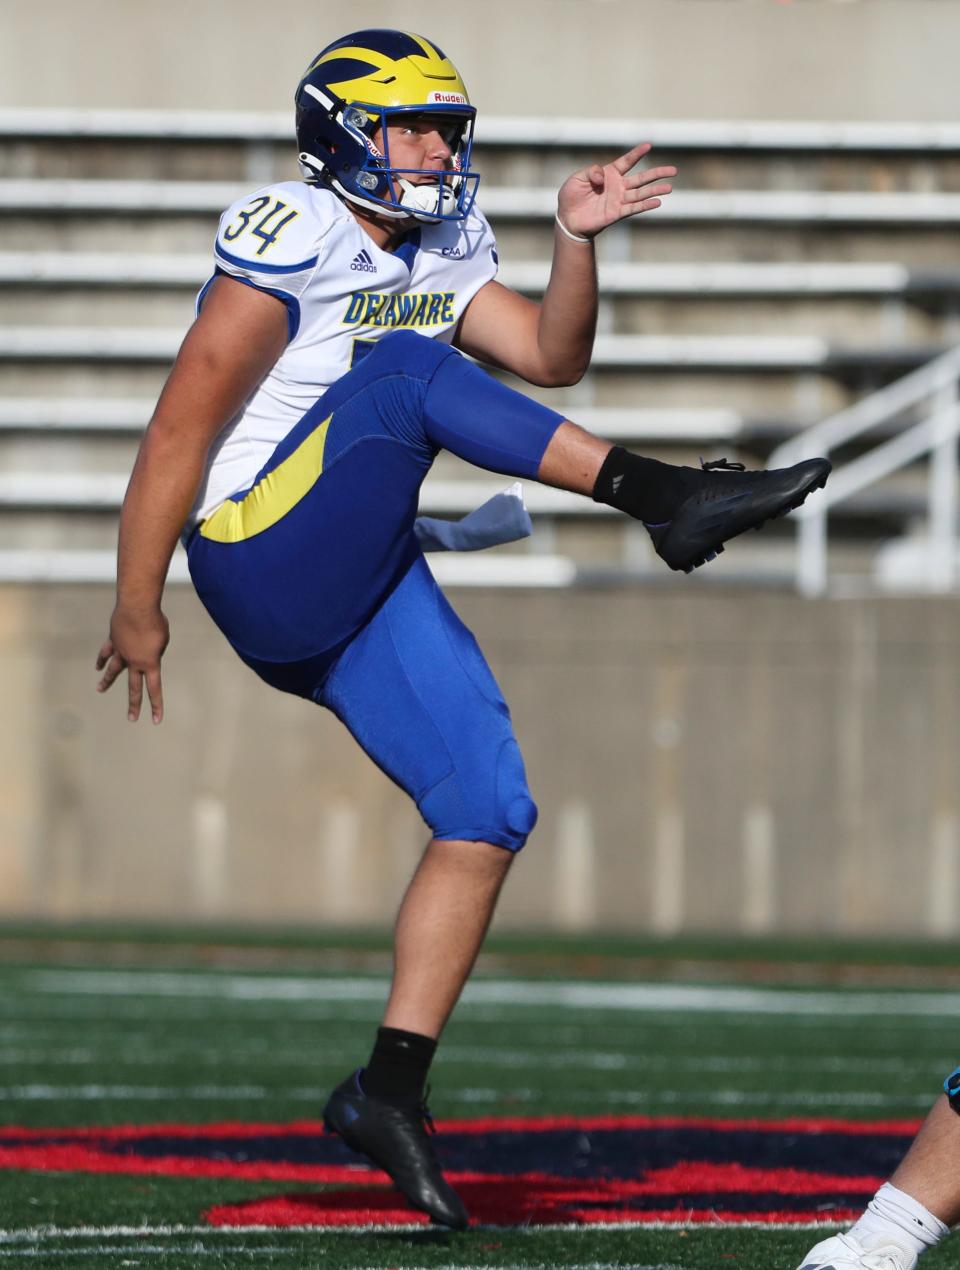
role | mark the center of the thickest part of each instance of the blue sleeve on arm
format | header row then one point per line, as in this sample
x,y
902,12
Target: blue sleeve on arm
x,y
474,416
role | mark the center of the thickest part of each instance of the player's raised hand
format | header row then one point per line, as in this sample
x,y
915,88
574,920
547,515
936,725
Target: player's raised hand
x,y
136,642
597,196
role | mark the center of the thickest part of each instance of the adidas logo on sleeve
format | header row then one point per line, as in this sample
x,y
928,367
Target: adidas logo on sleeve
x,y
363,262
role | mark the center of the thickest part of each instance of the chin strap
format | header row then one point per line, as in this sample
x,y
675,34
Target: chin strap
x,y
418,201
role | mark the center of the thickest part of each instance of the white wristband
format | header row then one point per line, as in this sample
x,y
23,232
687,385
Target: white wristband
x,y
575,238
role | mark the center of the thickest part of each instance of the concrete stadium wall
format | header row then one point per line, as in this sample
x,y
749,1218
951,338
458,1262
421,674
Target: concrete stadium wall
x,y
644,59
730,762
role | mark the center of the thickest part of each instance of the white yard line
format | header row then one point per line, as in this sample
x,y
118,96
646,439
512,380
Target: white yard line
x,y
589,1098
148,1093
145,1250
38,1234
652,997
119,1014
699,1099
125,1010
546,1024
243,1055
199,1250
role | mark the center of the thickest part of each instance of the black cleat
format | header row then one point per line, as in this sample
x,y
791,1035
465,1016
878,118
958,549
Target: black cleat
x,y
729,502
394,1137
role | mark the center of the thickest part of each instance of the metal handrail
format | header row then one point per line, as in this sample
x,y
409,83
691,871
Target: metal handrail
x,y
936,434
880,406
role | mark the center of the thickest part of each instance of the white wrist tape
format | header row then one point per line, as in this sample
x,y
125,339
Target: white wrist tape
x,y
576,238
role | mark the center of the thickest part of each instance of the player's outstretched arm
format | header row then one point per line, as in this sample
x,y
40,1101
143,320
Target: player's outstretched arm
x,y
238,336
551,343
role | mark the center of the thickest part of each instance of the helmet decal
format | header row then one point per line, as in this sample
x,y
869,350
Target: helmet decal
x,y
394,44
345,69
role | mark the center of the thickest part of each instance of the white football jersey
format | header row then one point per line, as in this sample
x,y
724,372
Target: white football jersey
x,y
300,243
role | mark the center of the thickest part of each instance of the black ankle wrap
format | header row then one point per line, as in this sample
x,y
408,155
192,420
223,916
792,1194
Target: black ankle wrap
x,y
398,1065
643,488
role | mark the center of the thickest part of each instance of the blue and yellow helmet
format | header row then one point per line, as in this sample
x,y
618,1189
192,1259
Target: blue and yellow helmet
x,y
365,82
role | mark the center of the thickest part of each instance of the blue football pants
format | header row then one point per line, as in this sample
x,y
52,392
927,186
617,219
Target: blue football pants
x,y
315,577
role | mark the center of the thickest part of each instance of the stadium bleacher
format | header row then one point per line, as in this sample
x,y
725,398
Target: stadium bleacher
x,y
796,268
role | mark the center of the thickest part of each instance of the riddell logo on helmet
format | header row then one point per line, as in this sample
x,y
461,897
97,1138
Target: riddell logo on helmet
x,y
448,99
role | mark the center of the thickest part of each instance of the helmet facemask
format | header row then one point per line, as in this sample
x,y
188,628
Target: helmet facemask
x,y
372,182
426,193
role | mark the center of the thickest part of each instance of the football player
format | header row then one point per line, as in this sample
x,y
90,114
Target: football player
x,y
915,1209
305,407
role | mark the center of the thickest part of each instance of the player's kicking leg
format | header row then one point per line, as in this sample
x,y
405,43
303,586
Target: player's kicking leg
x,y
914,1210
690,513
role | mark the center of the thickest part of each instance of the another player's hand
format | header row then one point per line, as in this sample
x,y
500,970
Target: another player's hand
x,y
136,642
596,197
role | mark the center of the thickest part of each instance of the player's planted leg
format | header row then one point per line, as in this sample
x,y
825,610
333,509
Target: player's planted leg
x,y
380,1110
912,1212
393,1135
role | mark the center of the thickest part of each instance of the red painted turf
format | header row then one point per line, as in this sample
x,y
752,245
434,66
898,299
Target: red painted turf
x,y
555,1190
512,1202
482,1124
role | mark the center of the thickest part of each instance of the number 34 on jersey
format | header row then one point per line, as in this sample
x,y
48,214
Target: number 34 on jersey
x,y
264,218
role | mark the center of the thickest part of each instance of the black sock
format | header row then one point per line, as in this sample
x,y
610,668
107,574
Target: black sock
x,y
398,1065
643,488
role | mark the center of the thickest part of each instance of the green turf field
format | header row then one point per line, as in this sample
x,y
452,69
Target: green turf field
x,y
113,1028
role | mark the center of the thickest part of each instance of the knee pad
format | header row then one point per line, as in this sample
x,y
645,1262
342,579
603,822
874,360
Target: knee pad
x,y
951,1087
483,802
